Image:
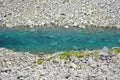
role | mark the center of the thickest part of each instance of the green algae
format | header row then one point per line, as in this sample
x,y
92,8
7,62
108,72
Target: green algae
x,y
65,56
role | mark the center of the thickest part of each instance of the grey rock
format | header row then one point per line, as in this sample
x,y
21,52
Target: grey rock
x,y
105,49
91,62
55,61
104,53
72,65
5,70
74,60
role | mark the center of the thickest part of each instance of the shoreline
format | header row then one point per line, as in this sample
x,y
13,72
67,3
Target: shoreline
x,y
55,26
95,65
66,26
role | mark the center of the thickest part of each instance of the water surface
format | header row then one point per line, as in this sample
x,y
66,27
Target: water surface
x,y
58,39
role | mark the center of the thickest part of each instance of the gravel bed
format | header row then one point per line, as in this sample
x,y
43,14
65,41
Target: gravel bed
x,y
67,13
21,66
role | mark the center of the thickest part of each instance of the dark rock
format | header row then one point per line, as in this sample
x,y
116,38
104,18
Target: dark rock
x,y
67,76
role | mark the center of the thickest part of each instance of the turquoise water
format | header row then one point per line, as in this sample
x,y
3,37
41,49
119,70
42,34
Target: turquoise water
x,y
58,39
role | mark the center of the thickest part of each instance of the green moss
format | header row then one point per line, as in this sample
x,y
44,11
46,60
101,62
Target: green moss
x,y
39,61
67,55
88,54
48,59
96,52
117,50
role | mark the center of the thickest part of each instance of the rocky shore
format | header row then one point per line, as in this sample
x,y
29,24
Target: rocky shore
x,y
67,13
74,65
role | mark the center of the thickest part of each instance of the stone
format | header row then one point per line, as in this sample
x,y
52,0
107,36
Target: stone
x,y
56,61
72,65
118,55
74,59
75,24
90,61
42,23
6,70
82,26
66,27
104,52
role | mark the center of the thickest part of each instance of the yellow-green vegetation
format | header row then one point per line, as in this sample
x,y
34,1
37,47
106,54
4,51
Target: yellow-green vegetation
x,y
116,50
67,55
40,61
96,52
77,54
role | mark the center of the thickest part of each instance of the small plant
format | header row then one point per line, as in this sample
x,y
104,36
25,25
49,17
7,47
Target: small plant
x,y
40,61
64,55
